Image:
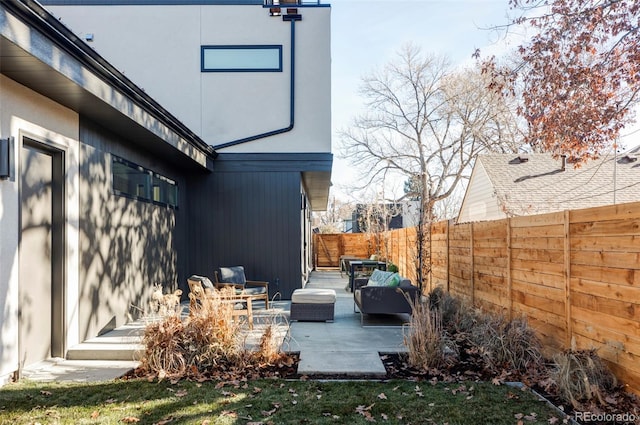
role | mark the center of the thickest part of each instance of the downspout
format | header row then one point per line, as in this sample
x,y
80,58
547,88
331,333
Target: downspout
x,y
292,18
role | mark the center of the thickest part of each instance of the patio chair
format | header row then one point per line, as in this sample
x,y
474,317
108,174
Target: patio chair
x,y
242,303
234,276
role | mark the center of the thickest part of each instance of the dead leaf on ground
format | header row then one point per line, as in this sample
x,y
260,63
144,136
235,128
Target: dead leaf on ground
x,y
365,412
95,414
382,396
229,413
269,412
130,420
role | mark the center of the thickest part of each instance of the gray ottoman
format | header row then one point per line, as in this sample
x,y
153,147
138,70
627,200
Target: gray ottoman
x,y
314,305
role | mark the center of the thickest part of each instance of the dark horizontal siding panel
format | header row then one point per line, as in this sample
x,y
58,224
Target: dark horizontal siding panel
x,y
250,219
301,162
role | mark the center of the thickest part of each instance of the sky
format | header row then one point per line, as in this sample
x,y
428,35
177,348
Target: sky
x,y
365,35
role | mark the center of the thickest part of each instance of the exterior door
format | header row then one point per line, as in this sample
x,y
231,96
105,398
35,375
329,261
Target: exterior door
x,y
41,288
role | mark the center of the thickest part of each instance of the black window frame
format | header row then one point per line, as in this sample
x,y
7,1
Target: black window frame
x,y
276,47
148,190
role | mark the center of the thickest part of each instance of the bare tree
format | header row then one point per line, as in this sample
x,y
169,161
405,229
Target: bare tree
x,y
374,219
332,220
427,122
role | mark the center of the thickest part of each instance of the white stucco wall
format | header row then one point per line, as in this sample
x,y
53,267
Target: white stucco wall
x,y
26,113
158,47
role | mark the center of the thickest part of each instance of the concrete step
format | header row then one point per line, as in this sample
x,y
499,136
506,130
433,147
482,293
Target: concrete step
x,y
121,344
349,363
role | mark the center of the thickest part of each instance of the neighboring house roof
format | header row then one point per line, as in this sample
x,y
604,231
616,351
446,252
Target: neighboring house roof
x,y
510,185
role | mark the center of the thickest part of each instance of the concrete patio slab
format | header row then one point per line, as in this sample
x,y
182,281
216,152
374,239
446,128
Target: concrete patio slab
x,y
341,347
344,346
78,370
349,363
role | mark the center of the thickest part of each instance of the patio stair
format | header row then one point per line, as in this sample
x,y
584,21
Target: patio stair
x,y
121,344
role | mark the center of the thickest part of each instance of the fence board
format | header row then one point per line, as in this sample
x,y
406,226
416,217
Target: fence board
x,y
609,212
606,243
605,290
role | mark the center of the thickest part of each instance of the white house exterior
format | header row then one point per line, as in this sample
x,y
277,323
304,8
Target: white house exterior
x,y
106,191
158,44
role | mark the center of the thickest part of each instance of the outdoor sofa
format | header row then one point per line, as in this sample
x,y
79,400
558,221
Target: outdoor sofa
x,y
389,296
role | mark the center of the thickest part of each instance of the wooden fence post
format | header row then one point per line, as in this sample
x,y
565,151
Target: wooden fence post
x,y
473,268
447,247
567,278
509,280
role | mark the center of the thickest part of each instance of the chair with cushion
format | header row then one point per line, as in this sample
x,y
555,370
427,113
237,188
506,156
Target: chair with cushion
x,y
235,277
202,286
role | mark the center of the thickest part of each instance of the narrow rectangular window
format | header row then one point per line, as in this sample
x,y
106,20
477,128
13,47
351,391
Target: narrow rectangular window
x,y
134,181
267,58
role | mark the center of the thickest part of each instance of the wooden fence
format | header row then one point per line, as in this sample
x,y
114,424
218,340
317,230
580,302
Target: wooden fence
x,y
574,274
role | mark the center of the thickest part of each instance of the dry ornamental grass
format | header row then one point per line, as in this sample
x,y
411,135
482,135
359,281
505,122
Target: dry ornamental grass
x,y
206,343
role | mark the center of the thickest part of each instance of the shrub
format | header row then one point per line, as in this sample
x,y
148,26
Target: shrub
x,y
428,344
207,341
507,344
444,327
457,317
581,376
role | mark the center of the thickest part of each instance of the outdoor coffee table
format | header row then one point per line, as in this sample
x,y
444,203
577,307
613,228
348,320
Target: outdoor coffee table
x,y
247,309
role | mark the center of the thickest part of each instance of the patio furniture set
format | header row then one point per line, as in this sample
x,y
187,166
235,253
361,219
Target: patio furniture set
x,y
375,291
243,294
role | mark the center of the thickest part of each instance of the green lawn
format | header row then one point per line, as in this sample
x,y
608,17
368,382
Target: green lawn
x,y
270,401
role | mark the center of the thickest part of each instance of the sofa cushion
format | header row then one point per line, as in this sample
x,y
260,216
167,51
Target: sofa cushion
x,y
233,275
394,280
205,281
405,283
313,296
382,278
254,290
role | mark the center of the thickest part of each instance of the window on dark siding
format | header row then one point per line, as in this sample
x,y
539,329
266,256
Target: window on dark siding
x,y
265,58
134,181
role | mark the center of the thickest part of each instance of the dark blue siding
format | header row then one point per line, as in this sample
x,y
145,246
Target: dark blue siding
x,y
250,219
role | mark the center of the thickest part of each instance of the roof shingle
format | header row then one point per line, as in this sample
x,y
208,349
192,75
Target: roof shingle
x,y
540,185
